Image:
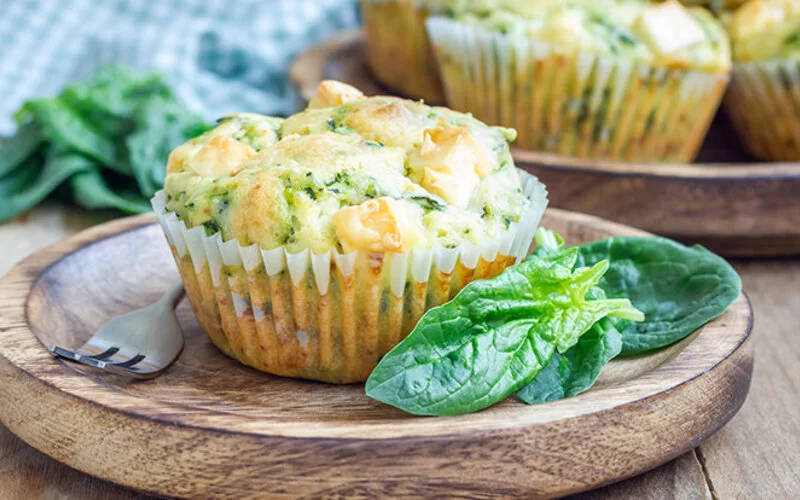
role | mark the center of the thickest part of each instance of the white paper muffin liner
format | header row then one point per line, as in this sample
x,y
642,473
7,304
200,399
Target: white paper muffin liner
x,y
328,316
576,104
763,102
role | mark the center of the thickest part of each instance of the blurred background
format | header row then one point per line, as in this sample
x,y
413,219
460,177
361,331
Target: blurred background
x,y
218,57
96,94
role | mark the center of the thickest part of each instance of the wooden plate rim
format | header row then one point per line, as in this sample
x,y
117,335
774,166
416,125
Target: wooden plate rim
x,y
689,171
56,374
306,70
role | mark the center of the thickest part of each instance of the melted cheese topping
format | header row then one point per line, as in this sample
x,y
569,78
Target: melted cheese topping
x,y
665,35
379,174
765,29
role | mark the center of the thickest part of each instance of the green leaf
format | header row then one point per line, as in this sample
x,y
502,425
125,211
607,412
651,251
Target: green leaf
x,y
493,338
91,191
161,125
67,130
678,288
576,370
20,179
113,133
548,240
26,187
15,150
110,99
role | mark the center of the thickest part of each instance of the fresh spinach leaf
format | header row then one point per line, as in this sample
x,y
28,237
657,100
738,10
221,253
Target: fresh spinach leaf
x,y
547,242
22,177
110,99
110,136
15,150
494,337
29,185
678,288
576,370
161,125
63,126
91,191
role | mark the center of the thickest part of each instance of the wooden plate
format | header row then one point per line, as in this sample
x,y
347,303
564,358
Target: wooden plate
x,y
211,428
728,202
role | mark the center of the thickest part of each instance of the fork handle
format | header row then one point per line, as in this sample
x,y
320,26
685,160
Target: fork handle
x,y
174,295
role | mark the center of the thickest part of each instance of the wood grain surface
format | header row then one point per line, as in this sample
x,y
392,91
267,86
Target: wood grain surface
x,y
751,457
672,400
728,201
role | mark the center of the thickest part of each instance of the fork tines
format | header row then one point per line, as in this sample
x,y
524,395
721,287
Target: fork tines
x,y
97,360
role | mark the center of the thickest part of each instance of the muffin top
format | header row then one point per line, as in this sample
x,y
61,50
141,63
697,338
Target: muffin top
x,y
662,34
765,29
379,174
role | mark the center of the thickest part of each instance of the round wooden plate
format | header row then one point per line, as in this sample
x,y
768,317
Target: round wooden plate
x,y
727,202
211,428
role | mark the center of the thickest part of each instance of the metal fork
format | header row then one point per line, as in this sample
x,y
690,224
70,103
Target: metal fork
x,y
140,344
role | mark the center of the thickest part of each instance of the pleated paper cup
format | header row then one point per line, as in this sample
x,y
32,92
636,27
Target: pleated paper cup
x,y
398,50
330,316
763,102
575,104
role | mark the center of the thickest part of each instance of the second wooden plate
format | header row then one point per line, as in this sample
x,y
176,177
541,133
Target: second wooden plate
x,y
727,202
212,428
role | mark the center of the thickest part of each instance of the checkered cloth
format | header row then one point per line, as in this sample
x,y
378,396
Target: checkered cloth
x,y
219,56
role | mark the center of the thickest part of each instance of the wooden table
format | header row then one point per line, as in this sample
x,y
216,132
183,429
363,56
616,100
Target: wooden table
x,y
755,456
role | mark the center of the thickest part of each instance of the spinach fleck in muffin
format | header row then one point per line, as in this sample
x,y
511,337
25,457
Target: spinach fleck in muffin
x,y
311,246
716,6
763,101
619,79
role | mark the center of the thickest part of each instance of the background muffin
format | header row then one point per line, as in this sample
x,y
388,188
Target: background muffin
x,y
763,101
311,246
398,50
620,79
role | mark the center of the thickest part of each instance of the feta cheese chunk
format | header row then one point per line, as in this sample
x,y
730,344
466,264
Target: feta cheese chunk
x,y
378,225
332,93
757,18
567,28
221,156
668,28
451,164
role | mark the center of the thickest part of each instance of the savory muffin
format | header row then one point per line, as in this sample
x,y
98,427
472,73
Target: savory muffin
x,y
764,96
311,246
619,79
